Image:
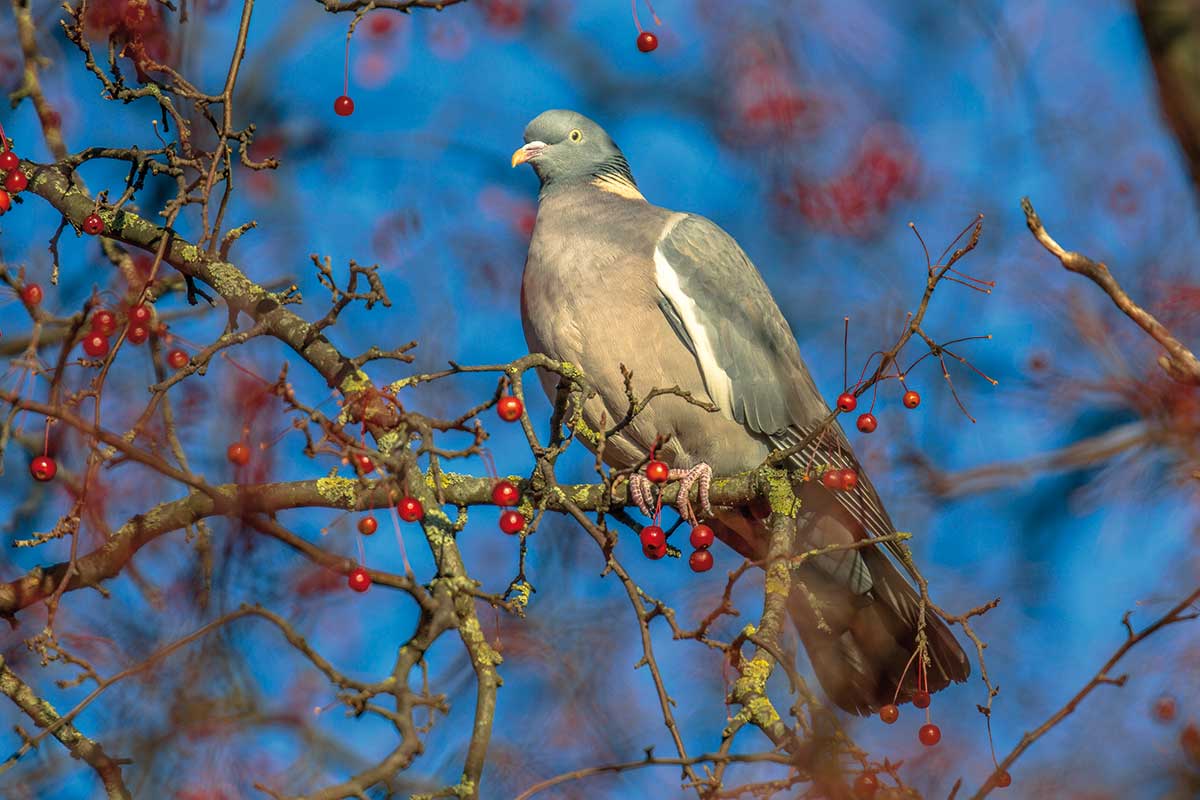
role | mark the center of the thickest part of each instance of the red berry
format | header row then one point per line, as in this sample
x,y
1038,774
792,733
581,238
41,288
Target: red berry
x,y
140,315
702,537
104,322
867,423
657,472
31,294
177,359
921,699
1164,708
929,734
363,463
410,509
654,542
95,345
505,494
93,225
701,561
865,786
43,468
911,399
509,408
238,453
512,521
368,525
15,181
889,713
9,161
137,334
832,479
1003,779
646,41
359,579
379,25
1189,740
849,479
847,401
343,106
5,201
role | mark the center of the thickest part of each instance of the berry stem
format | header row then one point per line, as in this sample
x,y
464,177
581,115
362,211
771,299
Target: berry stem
x,y
845,351
657,21
400,538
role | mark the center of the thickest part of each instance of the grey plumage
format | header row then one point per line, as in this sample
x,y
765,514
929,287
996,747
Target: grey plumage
x,y
611,279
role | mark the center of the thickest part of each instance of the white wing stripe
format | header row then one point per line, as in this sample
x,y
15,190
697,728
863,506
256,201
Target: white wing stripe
x,y
716,379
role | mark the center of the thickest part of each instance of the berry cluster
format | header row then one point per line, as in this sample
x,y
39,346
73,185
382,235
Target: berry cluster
x,y
654,538
855,200
14,179
409,509
504,493
867,422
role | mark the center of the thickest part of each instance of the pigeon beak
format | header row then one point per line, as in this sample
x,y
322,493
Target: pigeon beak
x,y
527,153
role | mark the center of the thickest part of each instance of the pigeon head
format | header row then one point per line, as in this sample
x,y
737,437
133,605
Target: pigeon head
x,y
566,148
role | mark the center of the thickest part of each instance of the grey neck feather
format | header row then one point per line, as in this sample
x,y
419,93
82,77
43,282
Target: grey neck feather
x,y
615,167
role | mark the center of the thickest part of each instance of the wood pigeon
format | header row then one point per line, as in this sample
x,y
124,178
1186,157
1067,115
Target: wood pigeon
x,y
611,279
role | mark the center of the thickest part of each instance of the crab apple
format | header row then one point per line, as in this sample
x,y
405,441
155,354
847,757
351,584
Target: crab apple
x,y
104,322
359,579
921,699
343,106
865,786
363,463
847,401
368,525
867,422
9,161
177,359
15,181
929,734
137,334
93,225
701,561
410,509
32,294
1164,708
849,479
911,399
43,468
1189,740
512,521
889,713
647,41
657,471
654,542
702,537
140,314
95,344
238,453
505,494
509,408
5,202
832,479
1003,779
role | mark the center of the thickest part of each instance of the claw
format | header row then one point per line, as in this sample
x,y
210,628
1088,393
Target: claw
x,y
642,492
700,474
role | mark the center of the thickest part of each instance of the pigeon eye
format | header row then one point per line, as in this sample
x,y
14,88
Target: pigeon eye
x,y
576,136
